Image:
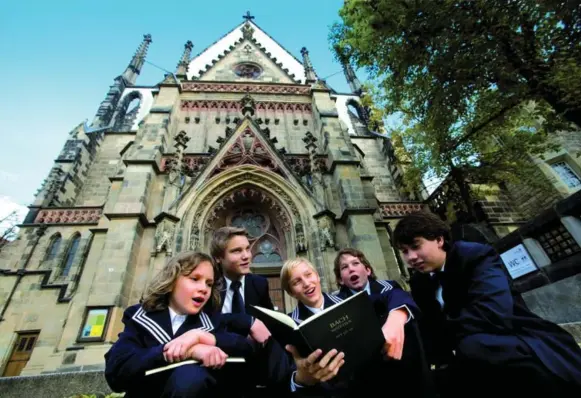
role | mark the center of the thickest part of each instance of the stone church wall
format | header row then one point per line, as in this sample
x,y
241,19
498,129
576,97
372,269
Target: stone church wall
x,y
377,165
106,165
204,127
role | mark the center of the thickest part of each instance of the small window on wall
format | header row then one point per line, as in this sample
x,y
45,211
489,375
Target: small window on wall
x,y
566,174
53,248
94,326
71,255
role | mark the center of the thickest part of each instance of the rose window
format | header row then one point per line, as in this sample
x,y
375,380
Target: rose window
x,y
247,70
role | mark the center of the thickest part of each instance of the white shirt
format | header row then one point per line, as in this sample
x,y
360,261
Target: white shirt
x,y
367,288
439,289
176,320
316,310
227,307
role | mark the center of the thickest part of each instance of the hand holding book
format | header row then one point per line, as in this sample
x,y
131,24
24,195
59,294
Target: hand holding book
x,y
350,326
314,369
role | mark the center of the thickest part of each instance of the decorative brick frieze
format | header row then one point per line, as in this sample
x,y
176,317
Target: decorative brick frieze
x,y
194,163
301,164
388,210
84,215
200,87
236,106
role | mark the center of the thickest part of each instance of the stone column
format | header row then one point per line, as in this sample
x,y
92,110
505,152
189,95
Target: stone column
x,y
355,210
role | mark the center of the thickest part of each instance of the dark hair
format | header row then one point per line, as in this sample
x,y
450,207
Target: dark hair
x,y
355,253
421,224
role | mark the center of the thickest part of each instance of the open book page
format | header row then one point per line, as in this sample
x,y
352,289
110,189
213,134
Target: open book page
x,y
284,318
321,313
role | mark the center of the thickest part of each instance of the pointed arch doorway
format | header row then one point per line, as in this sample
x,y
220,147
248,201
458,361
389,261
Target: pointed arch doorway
x,y
267,223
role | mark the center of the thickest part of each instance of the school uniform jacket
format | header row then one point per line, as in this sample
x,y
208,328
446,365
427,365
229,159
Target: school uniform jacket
x,y
302,313
484,319
255,293
392,297
140,347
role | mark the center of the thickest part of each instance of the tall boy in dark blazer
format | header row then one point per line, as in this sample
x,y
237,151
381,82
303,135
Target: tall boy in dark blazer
x,y
240,289
476,323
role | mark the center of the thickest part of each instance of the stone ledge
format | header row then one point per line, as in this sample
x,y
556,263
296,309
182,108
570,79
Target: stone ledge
x,y
55,385
70,382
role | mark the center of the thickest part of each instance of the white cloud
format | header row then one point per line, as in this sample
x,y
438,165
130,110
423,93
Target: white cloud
x,y
7,206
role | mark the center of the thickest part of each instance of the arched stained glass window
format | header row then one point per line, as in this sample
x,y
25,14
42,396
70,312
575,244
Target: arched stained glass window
x,y
71,255
266,250
254,222
53,247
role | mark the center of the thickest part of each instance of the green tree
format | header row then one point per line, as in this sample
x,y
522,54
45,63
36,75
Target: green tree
x,y
431,57
478,83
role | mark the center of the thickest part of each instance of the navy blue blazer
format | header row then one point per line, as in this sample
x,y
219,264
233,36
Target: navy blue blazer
x,y
483,318
255,292
140,347
392,297
302,313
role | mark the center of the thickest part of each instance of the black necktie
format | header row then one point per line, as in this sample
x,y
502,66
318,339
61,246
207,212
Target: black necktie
x,y
237,302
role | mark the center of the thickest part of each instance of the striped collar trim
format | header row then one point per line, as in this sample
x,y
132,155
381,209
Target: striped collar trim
x,y
151,326
159,333
386,285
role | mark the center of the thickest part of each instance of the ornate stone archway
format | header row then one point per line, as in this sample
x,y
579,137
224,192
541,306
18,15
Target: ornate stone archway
x,y
277,215
202,207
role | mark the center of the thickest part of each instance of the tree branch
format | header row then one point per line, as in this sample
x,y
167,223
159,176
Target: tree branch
x,y
473,130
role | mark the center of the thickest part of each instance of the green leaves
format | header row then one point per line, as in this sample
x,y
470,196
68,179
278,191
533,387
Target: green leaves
x,y
480,83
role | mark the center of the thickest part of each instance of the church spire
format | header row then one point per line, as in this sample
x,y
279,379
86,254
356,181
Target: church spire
x,y
182,67
310,75
104,115
350,75
134,67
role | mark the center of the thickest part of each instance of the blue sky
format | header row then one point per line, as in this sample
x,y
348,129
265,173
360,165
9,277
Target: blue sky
x,y
57,60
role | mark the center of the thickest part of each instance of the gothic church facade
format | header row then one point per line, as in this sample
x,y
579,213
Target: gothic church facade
x,y
246,134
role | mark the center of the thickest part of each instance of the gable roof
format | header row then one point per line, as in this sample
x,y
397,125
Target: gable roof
x,y
270,45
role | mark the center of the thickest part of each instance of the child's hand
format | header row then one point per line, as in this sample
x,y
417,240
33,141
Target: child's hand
x,y
210,356
177,349
259,332
314,369
393,331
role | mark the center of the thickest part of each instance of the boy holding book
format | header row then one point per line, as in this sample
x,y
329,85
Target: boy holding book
x,y
171,324
300,279
477,324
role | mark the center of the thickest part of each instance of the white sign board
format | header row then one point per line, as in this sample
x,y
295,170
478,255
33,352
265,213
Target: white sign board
x,y
518,262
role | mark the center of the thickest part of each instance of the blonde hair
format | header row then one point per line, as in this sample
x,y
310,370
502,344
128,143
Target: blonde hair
x,y
158,291
287,269
221,238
